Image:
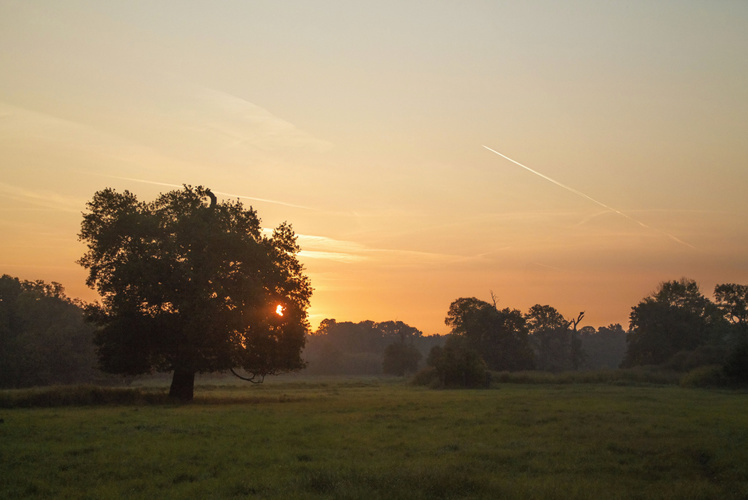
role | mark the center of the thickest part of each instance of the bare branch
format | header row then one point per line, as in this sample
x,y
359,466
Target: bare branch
x,y
213,199
575,322
253,378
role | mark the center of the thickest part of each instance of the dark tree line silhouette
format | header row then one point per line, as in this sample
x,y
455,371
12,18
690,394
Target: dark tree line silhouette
x,y
192,285
44,338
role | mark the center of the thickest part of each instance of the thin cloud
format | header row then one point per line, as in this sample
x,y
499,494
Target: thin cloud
x,y
322,247
245,123
657,210
41,199
334,256
350,251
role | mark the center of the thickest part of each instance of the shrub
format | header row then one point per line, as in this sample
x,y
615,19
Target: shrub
x,y
706,376
400,358
83,395
643,375
686,361
458,366
736,366
426,376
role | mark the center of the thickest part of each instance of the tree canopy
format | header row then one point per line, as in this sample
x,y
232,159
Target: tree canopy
x,y
191,285
554,339
499,335
732,299
676,317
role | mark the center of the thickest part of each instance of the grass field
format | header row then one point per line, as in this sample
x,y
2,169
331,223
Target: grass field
x,y
385,439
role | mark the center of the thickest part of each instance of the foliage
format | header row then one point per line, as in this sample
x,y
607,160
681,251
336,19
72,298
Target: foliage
x,y
85,395
632,376
736,365
556,344
192,288
44,339
704,355
603,348
498,335
732,299
706,376
400,358
427,376
677,317
457,364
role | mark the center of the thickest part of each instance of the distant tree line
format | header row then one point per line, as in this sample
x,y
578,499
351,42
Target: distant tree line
x,y
502,339
366,348
44,338
192,285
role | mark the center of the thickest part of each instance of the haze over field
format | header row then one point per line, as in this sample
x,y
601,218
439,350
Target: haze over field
x,y
373,128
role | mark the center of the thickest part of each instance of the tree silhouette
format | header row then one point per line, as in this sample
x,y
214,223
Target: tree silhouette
x,y
400,358
498,335
677,317
190,288
458,364
555,339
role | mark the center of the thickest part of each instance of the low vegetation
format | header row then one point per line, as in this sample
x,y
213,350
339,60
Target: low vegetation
x,y
370,438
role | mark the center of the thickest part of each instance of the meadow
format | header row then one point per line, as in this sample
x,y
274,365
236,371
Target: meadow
x,y
378,438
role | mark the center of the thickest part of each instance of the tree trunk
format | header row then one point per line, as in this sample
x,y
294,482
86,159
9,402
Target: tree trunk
x,y
182,385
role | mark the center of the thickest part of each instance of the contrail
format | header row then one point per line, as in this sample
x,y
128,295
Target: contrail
x,y
593,200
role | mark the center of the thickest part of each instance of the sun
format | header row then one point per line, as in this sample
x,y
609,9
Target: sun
x,y
279,310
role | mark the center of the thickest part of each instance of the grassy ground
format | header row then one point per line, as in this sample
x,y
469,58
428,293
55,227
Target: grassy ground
x,y
382,439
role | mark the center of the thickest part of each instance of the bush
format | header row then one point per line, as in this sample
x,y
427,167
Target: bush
x,y
652,375
736,366
686,361
427,376
400,358
83,395
706,376
458,366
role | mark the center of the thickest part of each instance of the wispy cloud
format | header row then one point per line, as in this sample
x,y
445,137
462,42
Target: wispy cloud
x,y
333,256
245,123
678,211
41,199
322,247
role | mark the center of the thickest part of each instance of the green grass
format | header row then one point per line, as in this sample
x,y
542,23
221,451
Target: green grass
x,y
383,439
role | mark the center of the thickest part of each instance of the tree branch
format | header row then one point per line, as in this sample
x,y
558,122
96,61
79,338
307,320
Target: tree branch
x,y
213,199
253,378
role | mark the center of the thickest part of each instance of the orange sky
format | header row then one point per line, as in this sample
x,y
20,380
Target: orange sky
x,y
363,124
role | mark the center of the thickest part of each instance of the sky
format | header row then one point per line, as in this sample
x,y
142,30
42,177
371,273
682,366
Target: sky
x,y
571,153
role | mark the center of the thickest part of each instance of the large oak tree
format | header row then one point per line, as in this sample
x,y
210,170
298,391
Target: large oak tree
x,y
190,285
